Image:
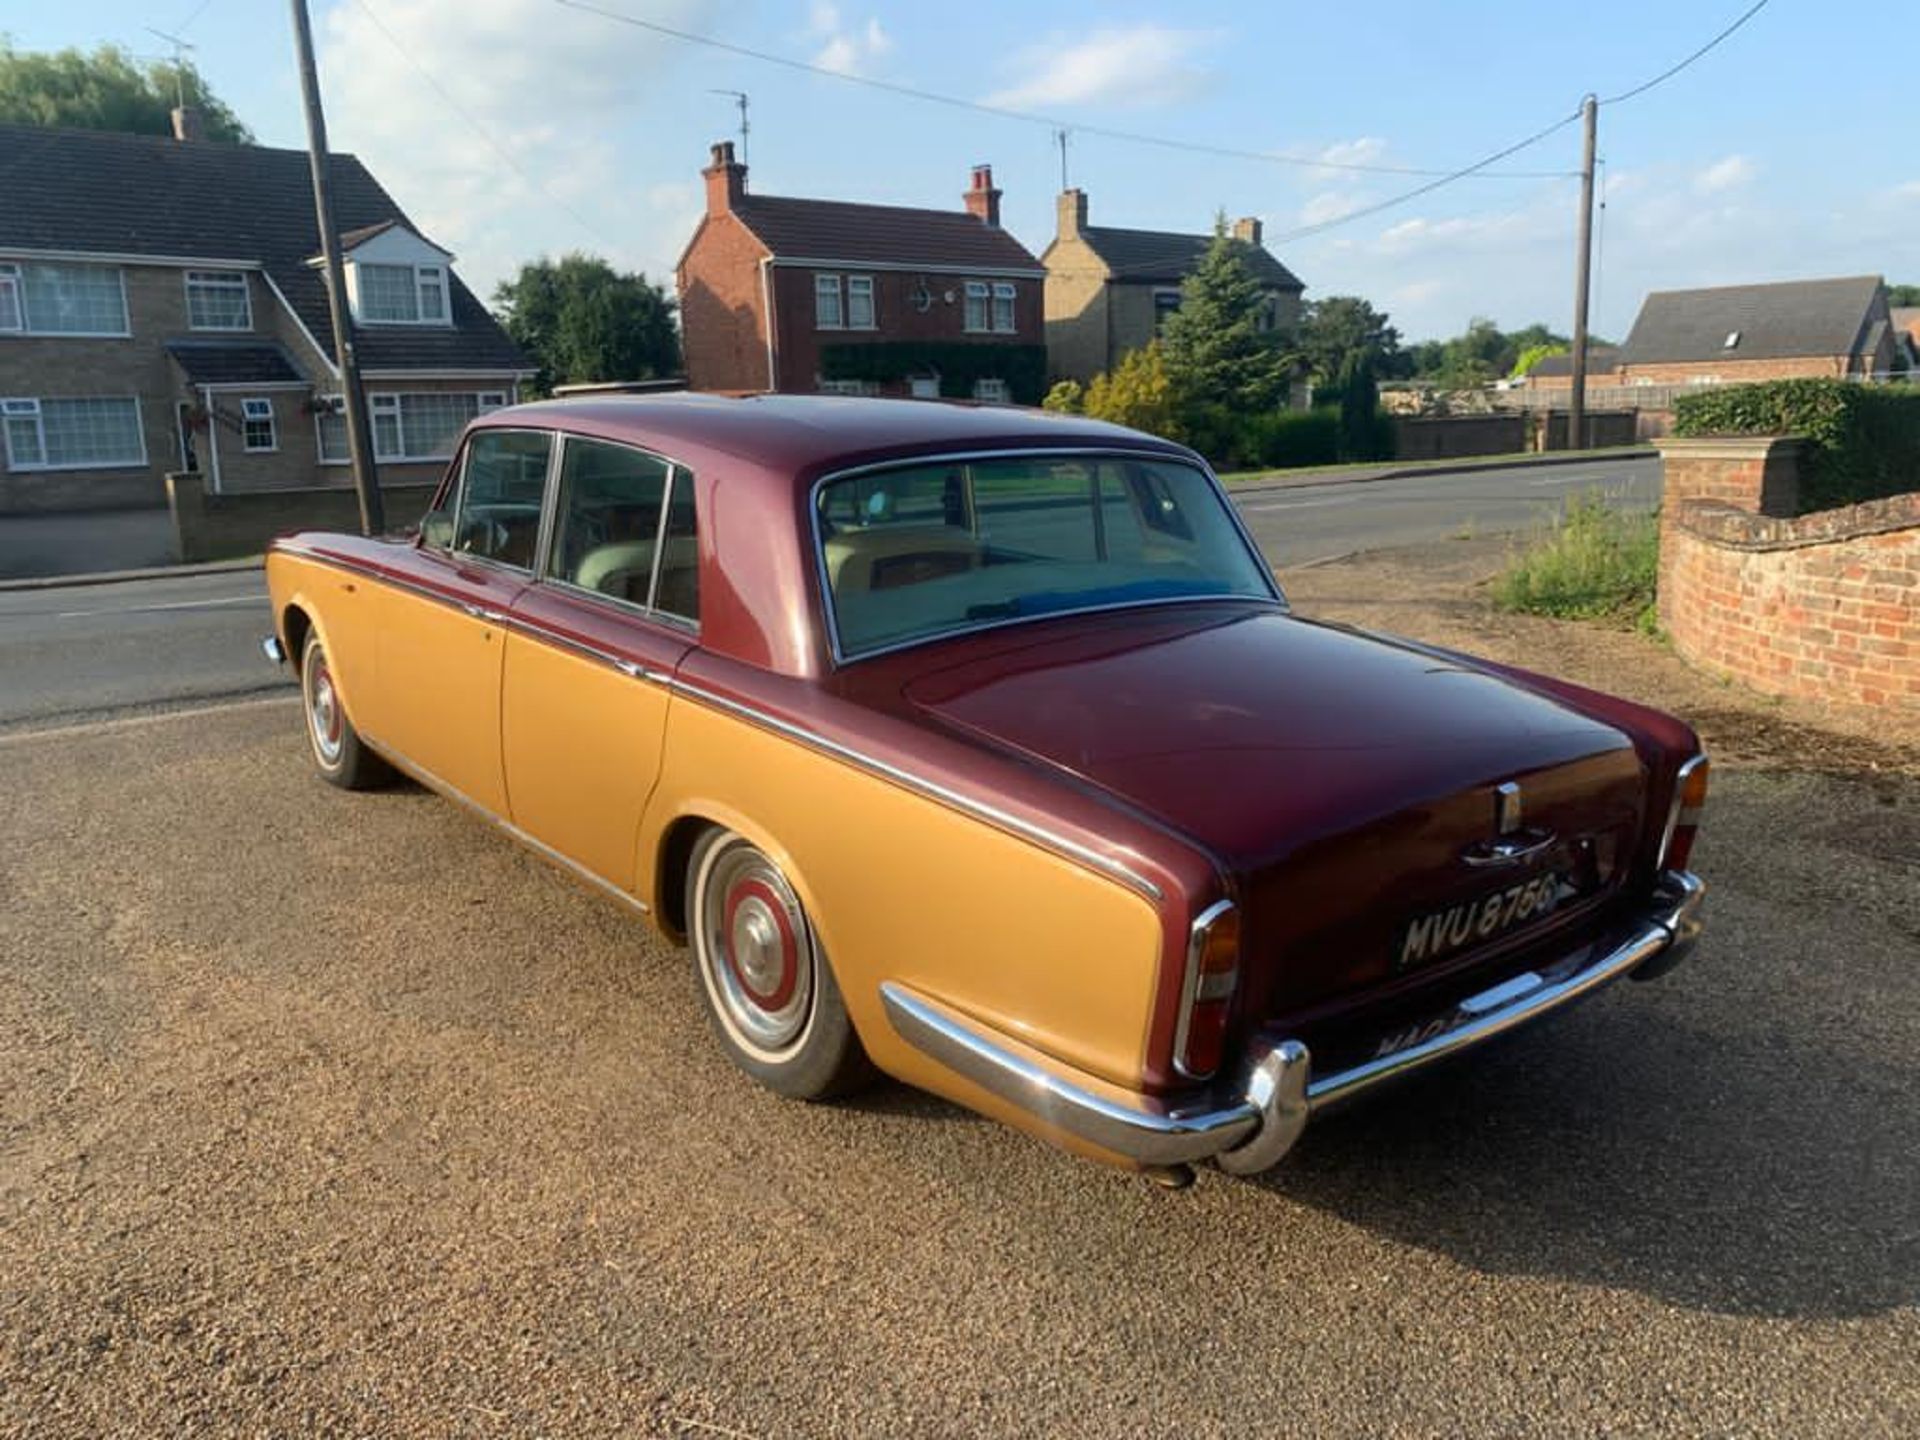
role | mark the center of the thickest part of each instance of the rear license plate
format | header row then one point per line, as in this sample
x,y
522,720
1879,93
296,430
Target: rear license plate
x,y
1441,933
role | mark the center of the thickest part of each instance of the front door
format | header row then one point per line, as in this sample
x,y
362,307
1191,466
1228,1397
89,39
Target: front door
x,y
585,697
189,451
443,633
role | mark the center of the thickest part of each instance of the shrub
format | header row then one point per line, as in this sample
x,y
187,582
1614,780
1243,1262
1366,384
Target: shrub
x,y
1293,437
1136,393
1069,397
1865,438
1597,563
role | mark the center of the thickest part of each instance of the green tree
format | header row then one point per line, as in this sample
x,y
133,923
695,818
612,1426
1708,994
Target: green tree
x,y
581,320
1334,330
108,90
1137,393
1220,347
1531,356
1903,294
1359,409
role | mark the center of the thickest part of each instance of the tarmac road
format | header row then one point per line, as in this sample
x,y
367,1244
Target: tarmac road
x,y
340,1114
86,650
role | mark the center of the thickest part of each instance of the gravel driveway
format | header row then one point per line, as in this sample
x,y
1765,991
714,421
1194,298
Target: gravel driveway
x,y
336,1114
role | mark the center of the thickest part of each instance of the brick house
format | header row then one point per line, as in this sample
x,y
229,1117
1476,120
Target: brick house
x,y
1737,333
163,307
812,296
1109,290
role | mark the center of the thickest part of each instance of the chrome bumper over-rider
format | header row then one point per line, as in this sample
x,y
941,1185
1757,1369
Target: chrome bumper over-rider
x,y
1253,1129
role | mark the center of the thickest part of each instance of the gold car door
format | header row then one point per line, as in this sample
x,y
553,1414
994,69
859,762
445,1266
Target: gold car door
x,y
584,699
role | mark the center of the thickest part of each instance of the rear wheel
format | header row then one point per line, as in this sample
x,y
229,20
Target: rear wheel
x,y
770,993
338,752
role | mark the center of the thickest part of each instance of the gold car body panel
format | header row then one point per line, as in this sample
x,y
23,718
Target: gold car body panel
x,y
902,887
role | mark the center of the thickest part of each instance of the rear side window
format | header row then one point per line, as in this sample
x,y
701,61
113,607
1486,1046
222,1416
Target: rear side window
x,y
607,525
495,507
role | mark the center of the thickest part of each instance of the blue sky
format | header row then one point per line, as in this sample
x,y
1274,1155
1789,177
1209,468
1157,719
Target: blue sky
x,y
1782,154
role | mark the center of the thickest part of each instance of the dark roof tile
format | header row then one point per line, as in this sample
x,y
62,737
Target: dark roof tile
x,y
93,191
880,234
1171,257
1774,322
228,362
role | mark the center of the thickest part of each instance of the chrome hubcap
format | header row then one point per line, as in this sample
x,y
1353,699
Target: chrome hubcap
x,y
323,711
756,949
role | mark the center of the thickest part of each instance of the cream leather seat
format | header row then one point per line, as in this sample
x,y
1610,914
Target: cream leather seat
x,y
885,556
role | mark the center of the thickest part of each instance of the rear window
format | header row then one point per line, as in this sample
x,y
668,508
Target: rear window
x,y
932,549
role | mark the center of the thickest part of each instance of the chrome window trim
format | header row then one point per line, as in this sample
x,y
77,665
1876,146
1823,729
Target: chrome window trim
x,y
1114,452
1674,807
1196,943
550,518
462,458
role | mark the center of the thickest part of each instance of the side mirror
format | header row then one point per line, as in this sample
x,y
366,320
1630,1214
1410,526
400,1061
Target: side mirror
x,y
436,529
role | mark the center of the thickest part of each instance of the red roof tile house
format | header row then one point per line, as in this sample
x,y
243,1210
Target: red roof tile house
x,y
825,296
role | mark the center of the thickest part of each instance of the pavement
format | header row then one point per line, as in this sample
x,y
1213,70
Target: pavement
x,y
69,651
75,544
341,1114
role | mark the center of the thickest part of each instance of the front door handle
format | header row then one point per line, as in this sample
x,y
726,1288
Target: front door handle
x,y
480,612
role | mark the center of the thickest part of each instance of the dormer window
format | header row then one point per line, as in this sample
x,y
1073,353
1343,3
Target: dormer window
x,y
400,294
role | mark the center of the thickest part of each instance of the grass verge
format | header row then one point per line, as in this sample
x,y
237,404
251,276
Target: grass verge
x,y
1596,563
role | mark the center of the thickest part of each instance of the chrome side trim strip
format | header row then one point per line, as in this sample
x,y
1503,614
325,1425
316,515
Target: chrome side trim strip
x,y
1249,1131
1135,1126
979,809
513,832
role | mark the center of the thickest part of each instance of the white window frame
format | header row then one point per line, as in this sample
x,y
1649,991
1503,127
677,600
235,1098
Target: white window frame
x,y
992,390
323,406
438,274
982,292
827,288
861,286
13,303
16,407
1007,294
16,271
220,280
253,410
845,387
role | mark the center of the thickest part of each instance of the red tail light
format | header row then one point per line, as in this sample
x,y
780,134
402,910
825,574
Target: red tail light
x,y
1689,799
1213,969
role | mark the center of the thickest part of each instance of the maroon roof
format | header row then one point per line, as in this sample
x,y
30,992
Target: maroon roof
x,y
796,437
880,234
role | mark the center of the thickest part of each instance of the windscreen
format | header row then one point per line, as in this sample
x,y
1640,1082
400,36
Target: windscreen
x,y
929,549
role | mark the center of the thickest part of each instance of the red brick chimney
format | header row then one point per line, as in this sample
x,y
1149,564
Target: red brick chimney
x,y
1247,228
726,180
982,200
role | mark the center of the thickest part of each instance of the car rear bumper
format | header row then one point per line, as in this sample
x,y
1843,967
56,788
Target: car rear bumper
x,y
1252,1126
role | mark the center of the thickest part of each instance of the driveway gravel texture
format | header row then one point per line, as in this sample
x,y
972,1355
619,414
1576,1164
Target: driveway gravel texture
x,y
331,1114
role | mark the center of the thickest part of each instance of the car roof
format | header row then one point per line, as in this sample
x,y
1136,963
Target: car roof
x,y
794,438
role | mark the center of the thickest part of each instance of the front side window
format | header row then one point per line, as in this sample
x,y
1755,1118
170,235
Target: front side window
x,y
978,293
257,431
69,300
79,434
606,532
827,314
860,302
931,549
495,507
1003,315
217,300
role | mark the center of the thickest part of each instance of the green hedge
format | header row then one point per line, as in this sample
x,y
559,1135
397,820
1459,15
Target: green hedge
x,y
956,362
1865,438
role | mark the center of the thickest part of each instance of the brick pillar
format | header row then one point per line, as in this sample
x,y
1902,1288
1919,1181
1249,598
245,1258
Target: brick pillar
x,y
187,506
1759,473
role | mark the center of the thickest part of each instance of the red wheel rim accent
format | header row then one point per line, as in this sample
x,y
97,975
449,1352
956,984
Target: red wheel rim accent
x,y
323,684
775,999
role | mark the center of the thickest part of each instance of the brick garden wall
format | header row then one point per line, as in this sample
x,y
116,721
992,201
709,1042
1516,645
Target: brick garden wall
x,y
221,527
1823,606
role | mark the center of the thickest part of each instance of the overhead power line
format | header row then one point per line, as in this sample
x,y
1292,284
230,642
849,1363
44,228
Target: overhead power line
x,y
499,149
981,107
1673,70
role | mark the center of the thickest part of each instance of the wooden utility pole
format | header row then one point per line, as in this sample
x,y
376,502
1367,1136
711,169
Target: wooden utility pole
x,y
1583,277
366,479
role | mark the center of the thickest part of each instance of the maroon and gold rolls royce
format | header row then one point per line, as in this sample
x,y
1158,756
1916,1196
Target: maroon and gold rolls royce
x,y
979,746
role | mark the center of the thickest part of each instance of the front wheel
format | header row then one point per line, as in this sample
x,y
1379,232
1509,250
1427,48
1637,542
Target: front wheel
x,y
770,993
339,754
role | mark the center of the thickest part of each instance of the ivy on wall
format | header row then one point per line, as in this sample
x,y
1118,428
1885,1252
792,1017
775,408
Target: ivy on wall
x,y
958,364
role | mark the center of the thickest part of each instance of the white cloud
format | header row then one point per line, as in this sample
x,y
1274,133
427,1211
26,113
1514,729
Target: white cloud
x,y
845,49
1327,206
1908,191
548,87
1367,150
1728,174
1143,64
